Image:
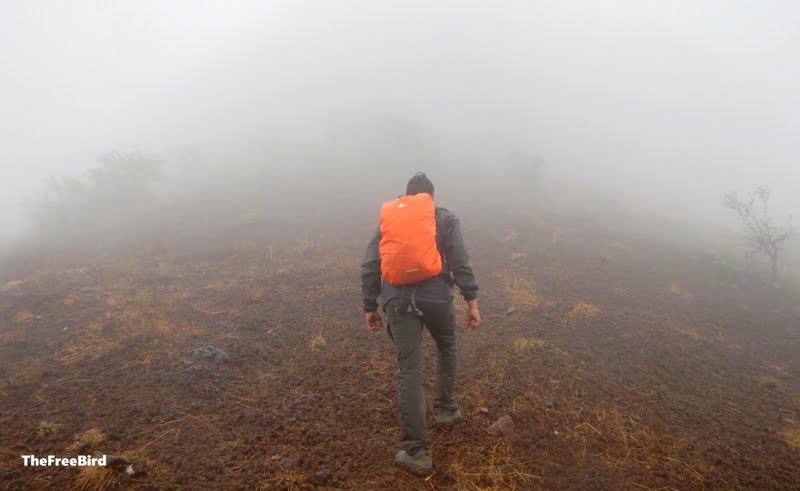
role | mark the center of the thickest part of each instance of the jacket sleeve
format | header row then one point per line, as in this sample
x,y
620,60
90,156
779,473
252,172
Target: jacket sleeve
x,y
457,258
371,274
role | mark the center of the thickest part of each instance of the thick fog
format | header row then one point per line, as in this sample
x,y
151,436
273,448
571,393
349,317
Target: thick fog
x,y
663,103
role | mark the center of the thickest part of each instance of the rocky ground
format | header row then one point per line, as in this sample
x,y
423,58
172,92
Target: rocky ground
x,y
238,359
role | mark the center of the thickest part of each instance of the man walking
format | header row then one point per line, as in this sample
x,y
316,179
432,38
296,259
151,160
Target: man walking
x,y
413,260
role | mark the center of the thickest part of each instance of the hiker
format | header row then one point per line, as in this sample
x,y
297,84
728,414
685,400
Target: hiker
x,y
413,260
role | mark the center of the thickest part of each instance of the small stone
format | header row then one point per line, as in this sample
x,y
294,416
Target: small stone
x,y
136,468
484,410
210,353
286,462
323,474
502,427
510,310
549,404
131,468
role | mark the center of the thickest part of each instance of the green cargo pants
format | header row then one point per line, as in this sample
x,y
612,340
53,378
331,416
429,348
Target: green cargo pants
x,y
405,328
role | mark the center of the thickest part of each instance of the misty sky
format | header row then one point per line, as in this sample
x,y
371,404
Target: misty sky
x,y
672,100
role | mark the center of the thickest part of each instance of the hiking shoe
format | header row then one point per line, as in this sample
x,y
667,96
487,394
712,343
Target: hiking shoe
x,y
445,419
418,464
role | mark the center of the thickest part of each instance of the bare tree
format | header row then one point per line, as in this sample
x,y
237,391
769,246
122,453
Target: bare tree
x,y
762,234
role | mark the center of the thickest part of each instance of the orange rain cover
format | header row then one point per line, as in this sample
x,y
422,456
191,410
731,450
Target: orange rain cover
x,y
408,240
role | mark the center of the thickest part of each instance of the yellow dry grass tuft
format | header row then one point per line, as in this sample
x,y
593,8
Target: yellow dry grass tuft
x,y
88,440
510,237
557,236
687,330
583,311
520,291
792,436
253,293
289,479
488,468
524,344
495,369
12,335
318,342
96,478
156,328
12,285
47,429
518,255
676,290
377,363
22,317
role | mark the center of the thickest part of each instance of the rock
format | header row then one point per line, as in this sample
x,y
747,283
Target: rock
x,y
210,353
549,404
484,410
322,475
502,427
136,468
89,289
131,468
510,310
286,462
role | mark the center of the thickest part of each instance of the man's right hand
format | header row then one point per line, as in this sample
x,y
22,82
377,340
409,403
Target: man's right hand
x,y
473,315
374,321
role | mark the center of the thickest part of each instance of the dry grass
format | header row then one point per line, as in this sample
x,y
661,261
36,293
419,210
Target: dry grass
x,y
495,368
318,342
519,255
23,317
792,436
253,293
510,237
687,330
91,347
678,291
525,344
288,479
48,429
341,263
582,311
12,335
96,478
377,363
520,291
89,439
490,468
557,236
624,441
13,285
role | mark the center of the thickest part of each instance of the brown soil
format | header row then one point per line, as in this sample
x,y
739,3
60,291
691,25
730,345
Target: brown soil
x,y
626,364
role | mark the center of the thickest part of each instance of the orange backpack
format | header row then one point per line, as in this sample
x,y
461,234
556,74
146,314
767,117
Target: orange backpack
x,y
408,240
